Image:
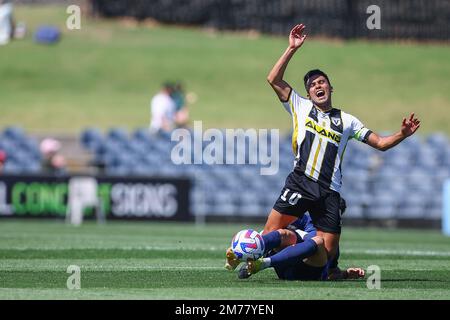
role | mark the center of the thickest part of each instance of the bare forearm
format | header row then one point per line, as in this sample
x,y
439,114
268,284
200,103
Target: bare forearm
x,y
277,72
385,143
275,77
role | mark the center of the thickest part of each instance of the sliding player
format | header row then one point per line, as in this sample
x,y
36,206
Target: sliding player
x,y
300,255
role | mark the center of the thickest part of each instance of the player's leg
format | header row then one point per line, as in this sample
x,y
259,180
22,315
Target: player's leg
x,y
280,238
289,256
291,204
318,259
275,239
326,217
331,242
277,220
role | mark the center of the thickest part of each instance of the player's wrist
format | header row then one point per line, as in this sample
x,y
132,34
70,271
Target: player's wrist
x,y
292,49
402,135
344,274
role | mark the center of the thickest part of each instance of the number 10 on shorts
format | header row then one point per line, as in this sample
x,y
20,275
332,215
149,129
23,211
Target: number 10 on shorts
x,y
293,199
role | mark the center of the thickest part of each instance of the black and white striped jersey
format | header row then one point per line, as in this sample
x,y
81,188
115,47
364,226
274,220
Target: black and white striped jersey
x,y
319,139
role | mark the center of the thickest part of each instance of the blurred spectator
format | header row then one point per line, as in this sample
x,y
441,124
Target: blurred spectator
x,y
52,160
182,110
163,109
6,21
2,160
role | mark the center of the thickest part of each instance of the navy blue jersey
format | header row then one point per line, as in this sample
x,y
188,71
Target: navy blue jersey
x,y
305,223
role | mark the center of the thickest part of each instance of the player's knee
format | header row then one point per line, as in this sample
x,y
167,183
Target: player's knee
x,y
288,237
320,256
319,241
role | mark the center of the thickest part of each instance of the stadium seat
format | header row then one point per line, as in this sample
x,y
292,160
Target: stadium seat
x,y
91,139
201,209
251,209
14,133
353,211
142,134
226,209
11,167
381,211
411,212
118,134
433,214
438,140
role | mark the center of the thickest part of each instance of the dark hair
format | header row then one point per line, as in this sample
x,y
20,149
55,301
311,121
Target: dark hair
x,y
314,72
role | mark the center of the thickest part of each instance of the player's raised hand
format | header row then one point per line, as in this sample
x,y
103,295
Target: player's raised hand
x,y
410,126
296,37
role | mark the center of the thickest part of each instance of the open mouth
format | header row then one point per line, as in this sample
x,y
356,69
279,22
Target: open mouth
x,y
320,93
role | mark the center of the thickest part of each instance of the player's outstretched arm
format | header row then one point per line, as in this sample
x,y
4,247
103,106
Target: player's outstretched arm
x,y
350,273
275,77
408,128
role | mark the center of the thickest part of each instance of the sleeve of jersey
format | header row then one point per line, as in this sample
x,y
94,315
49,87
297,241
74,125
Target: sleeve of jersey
x,y
294,102
360,132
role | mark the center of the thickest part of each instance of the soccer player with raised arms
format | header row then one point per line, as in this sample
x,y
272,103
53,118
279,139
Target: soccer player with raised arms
x,y
320,135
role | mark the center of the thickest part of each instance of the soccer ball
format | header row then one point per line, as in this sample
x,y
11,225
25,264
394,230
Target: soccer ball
x,y
248,244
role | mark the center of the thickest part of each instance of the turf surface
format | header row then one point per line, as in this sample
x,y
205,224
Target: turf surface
x,y
182,261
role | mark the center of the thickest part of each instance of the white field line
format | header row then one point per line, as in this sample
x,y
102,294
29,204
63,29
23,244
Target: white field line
x,y
107,268
398,252
213,248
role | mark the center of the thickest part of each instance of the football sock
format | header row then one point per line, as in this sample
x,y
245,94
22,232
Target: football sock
x,y
334,261
266,262
293,254
331,264
272,240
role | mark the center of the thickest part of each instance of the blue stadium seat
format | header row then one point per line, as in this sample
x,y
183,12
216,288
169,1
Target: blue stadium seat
x,y
434,213
11,167
381,211
227,209
117,170
14,133
142,134
118,134
201,208
353,211
438,140
91,138
252,209
409,211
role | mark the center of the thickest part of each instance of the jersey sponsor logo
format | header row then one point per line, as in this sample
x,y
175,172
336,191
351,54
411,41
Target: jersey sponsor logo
x,y
336,137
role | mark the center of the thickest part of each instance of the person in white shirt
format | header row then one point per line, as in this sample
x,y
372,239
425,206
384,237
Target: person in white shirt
x,y
6,21
163,109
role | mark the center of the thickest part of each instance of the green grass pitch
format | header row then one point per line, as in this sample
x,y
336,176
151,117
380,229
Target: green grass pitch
x,y
148,260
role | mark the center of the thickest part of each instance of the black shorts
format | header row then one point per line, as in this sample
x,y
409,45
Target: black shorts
x,y
301,194
300,271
